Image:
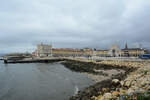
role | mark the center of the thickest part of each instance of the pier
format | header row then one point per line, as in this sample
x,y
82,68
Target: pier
x,y
8,60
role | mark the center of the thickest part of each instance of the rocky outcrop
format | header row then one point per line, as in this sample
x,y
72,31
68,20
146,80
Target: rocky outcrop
x,y
135,87
92,67
105,89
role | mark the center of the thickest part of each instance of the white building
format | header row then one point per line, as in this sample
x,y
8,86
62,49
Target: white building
x,y
115,51
44,50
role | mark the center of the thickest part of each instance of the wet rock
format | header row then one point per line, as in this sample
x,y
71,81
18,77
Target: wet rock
x,y
103,87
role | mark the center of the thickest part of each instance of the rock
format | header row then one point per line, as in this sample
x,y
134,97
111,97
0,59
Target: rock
x,y
140,90
116,93
102,98
122,83
134,83
107,96
128,83
130,91
147,87
94,98
116,81
122,92
143,83
105,90
135,88
99,98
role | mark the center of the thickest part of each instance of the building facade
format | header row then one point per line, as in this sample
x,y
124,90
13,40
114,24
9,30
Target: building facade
x,y
115,51
43,50
67,52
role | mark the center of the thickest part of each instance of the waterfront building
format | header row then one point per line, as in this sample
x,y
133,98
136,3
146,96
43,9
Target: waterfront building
x,y
102,53
133,52
67,52
87,52
43,50
114,51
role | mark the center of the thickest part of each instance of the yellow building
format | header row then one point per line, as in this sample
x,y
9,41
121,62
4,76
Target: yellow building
x,y
87,52
114,51
66,52
102,53
133,52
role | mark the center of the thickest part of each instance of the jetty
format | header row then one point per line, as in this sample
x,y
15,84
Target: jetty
x,y
8,60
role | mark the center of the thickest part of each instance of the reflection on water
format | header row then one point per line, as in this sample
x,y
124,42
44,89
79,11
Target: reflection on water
x,y
39,82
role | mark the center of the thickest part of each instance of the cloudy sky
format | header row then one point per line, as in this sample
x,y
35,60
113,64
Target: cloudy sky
x,y
73,23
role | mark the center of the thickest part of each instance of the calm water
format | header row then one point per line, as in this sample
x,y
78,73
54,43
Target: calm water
x,y
39,82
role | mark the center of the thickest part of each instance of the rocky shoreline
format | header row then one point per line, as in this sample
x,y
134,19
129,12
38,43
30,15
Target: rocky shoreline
x,y
136,86
100,88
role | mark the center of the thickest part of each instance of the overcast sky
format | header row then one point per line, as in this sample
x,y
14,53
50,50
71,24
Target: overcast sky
x,y
73,23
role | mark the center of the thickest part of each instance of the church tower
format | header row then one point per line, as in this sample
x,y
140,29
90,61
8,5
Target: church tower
x,y
126,46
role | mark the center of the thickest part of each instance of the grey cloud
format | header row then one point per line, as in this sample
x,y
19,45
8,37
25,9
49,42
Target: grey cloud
x,y
73,23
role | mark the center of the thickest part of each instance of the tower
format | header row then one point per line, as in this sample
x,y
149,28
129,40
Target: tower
x,y
126,46
126,51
